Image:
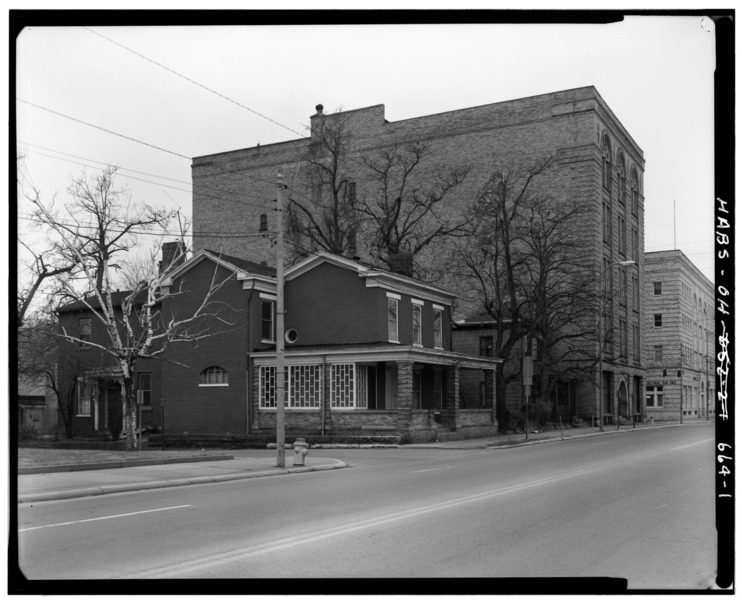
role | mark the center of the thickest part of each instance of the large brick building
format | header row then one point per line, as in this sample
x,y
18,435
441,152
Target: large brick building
x,y
598,164
679,338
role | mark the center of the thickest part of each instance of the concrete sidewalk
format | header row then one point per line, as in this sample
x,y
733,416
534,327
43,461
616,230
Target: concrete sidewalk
x,y
64,484
60,485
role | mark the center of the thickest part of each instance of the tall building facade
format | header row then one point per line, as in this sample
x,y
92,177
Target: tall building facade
x,y
598,164
679,340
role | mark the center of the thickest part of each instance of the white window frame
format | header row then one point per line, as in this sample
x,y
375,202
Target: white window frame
x,y
84,395
656,393
417,333
393,300
214,369
272,300
437,327
141,391
267,402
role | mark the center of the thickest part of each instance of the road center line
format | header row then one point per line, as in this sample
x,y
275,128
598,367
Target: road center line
x,y
691,445
131,514
434,469
287,543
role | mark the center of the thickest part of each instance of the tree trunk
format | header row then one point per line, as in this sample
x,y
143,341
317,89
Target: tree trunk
x,y
130,416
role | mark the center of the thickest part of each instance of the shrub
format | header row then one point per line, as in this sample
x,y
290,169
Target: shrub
x,y
28,433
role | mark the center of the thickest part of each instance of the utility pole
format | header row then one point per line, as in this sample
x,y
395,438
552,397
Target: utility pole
x,y
280,358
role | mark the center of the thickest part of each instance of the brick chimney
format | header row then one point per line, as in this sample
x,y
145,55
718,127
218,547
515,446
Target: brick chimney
x,y
173,254
401,263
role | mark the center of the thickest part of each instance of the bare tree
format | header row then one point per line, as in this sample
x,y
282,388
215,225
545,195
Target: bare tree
x,y
405,210
323,217
134,323
500,262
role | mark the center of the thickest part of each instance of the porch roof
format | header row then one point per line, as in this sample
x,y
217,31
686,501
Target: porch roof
x,y
377,353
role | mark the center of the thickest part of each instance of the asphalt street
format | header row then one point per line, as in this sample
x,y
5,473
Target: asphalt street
x,y
638,506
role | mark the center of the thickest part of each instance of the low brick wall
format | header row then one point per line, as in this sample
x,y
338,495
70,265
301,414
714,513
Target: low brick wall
x,y
261,441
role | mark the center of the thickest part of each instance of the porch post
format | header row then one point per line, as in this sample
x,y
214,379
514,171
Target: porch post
x,y
490,394
453,401
404,396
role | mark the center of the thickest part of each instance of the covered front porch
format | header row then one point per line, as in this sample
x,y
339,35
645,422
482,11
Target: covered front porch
x,y
407,391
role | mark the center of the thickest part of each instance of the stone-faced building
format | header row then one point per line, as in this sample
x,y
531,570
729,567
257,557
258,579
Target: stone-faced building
x,y
679,338
598,164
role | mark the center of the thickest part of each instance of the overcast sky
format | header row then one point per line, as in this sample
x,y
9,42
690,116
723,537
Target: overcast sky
x,y
260,85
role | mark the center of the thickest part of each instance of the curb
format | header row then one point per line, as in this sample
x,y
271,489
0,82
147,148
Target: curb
x,y
150,485
120,464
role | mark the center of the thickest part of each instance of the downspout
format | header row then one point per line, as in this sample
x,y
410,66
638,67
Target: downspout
x,y
322,398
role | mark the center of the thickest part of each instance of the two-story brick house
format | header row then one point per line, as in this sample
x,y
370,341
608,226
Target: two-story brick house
x,y
367,350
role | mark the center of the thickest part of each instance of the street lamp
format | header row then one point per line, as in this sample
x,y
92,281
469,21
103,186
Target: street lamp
x,y
599,398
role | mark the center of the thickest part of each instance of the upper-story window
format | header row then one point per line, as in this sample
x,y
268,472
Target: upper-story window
x,y
417,322
634,192
658,320
658,354
263,222
437,326
657,288
85,329
213,376
352,193
621,179
607,167
267,318
486,346
622,236
392,304
607,224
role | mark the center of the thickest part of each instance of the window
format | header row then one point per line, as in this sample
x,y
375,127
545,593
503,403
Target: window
x,y
486,346
213,376
342,385
607,224
622,235
654,396
658,354
352,193
437,326
263,222
637,342
634,192
657,288
606,163
84,392
621,179
85,327
392,302
144,389
624,341
658,320
268,319
417,323
635,244
635,290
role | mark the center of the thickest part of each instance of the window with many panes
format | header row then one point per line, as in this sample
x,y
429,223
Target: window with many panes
x,y
635,282
634,192
606,163
622,235
621,179
654,396
213,376
392,303
658,320
657,288
302,385
637,342
607,224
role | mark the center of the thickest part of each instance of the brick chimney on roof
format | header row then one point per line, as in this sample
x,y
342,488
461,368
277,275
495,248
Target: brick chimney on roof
x,y
173,254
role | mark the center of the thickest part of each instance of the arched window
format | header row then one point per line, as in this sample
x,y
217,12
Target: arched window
x,y
634,192
213,376
621,179
607,169
263,222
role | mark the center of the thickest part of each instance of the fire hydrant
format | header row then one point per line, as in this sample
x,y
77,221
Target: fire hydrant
x,y
300,451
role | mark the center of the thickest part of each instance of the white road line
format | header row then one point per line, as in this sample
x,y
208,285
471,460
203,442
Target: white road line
x,y
691,445
286,543
434,469
141,512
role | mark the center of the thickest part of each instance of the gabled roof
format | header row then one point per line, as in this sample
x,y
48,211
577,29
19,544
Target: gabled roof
x,y
92,302
243,268
375,277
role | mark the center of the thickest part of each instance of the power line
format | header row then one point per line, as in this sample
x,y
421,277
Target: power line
x,y
194,82
102,129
